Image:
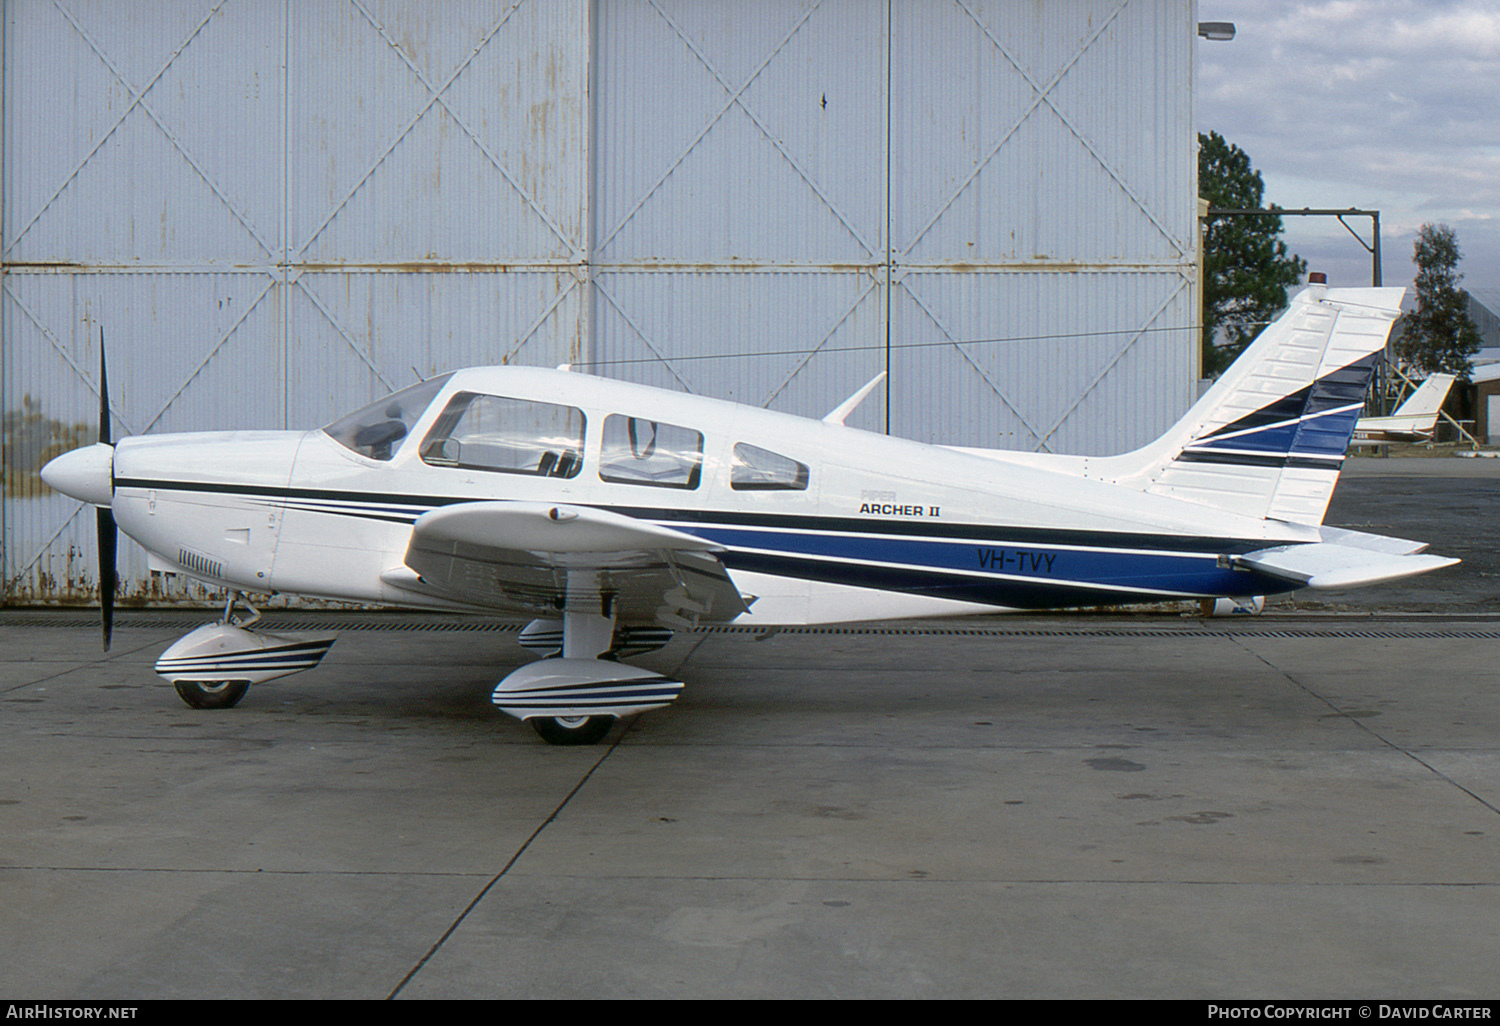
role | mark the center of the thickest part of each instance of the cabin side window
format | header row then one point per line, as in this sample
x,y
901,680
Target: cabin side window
x,y
760,470
507,436
635,450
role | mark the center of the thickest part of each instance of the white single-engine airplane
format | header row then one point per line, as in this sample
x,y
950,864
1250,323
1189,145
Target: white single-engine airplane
x,y
613,512
1413,421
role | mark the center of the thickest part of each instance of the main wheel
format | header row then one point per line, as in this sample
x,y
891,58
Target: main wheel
x,y
211,694
571,730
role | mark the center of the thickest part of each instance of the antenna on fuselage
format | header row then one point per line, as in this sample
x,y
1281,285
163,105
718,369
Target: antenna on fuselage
x,y
843,409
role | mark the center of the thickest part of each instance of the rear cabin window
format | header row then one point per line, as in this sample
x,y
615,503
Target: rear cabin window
x,y
761,470
507,436
638,451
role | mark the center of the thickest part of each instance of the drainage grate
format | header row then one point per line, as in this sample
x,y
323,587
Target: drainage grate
x,y
342,621
270,621
1142,631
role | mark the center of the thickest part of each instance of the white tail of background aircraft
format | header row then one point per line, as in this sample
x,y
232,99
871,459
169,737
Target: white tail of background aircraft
x,y
1414,420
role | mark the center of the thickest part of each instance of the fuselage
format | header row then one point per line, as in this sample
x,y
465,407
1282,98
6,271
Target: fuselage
x,y
819,521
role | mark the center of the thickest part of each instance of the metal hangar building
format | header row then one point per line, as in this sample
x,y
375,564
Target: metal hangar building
x,y
279,211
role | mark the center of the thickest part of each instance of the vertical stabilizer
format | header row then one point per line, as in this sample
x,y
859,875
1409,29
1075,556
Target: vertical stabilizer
x,y
1428,398
1269,438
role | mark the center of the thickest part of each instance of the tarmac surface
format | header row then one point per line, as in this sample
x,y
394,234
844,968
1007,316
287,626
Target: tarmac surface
x,y
1304,804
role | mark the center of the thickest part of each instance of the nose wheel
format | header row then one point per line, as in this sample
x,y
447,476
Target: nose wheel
x,y
211,694
571,730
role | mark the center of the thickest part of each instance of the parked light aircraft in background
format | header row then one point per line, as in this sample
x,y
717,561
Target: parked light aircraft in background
x,y
1414,420
613,513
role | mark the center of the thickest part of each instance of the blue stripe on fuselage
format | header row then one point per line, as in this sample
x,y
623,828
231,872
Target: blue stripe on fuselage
x,y
1021,567
996,572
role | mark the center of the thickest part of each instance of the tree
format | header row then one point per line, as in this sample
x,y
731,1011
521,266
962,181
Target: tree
x,y
1246,266
1438,336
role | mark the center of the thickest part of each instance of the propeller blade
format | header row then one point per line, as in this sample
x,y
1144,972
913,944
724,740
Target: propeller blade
x,y
108,540
108,535
104,433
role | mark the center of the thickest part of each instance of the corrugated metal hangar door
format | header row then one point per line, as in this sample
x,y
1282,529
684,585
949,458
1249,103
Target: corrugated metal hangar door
x,y
800,195
277,211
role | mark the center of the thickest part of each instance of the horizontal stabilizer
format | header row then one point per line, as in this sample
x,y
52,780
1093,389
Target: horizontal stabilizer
x,y
1373,542
1332,564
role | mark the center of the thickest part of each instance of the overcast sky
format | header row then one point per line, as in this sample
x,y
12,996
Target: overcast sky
x,y
1391,105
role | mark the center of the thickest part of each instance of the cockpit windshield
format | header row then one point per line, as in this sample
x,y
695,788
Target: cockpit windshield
x,y
376,430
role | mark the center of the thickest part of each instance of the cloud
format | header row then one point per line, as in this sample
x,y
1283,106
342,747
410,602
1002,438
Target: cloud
x,y
1385,104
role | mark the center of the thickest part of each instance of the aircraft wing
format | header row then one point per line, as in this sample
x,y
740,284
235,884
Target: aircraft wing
x,y
1397,427
1344,559
547,558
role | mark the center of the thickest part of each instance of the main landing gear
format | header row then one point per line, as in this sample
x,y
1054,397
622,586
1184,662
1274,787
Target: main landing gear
x,y
575,696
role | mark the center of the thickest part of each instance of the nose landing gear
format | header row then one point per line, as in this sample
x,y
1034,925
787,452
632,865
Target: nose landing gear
x,y
212,667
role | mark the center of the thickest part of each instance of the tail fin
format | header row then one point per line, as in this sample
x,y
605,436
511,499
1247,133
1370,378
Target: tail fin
x,y
1428,398
1268,439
